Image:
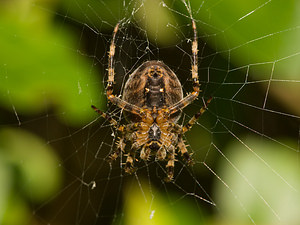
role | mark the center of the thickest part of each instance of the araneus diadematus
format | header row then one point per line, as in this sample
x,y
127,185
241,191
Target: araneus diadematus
x,y
153,100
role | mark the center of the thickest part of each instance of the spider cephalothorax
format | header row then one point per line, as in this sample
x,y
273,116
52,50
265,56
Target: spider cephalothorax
x,y
152,100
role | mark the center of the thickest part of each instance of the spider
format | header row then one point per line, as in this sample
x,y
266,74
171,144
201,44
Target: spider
x,y
152,100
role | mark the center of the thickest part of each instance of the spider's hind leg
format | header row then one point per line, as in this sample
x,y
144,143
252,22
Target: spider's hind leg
x,y
171,163
121,143
145,153
130,157
184,151
193,120
161,154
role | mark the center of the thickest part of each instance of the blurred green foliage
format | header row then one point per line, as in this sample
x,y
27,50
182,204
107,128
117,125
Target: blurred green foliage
x,y
266,183
142,206
29,170
40,66
261,34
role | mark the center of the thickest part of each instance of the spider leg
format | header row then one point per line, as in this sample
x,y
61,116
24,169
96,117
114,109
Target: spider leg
x,y
121,143
123,104
122,128
111,79
184,102
145,153
161,154
170,164
179,130
120,148
105,116
193,120
194,50
111,54
185,128
184,151
129,167
196,85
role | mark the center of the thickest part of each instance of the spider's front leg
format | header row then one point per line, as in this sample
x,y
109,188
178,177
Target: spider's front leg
x,y
196,85
111,79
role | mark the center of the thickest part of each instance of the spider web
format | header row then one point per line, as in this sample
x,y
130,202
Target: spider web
x,y
54,149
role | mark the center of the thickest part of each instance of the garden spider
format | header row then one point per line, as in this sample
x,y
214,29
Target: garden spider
x,y
153,100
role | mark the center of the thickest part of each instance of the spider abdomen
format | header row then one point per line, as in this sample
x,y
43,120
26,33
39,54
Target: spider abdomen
x,y
154,92
153,84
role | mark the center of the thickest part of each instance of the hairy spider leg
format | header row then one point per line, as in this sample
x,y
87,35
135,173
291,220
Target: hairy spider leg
x,y
121,143
111,79
161,154
194,49
184,151
193,120
196,85
145,152
111,54
129,166
105,116
171,163
181,130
